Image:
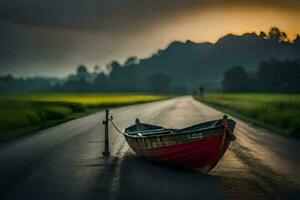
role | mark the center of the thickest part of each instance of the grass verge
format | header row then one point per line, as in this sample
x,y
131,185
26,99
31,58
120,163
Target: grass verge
x,y
279,113
21,114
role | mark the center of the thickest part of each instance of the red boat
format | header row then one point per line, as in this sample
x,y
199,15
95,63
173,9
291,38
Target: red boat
x,y
198,147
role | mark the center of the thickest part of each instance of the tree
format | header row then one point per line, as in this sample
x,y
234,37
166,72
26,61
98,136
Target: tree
x,y
82,71
96,69
263,35
201,91
276,35
279,76
237,80
297,39
131,61
7,78
113,66
160,82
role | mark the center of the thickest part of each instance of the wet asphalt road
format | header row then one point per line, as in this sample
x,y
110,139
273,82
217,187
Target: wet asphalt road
x,y
65,162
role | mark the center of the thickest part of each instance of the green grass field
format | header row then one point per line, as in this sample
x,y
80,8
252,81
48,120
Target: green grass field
x,y
21,114
278,112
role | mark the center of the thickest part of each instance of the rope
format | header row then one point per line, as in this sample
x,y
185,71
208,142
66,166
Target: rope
x,y
115,126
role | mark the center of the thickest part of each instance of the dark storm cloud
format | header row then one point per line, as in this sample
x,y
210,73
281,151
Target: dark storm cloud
x,y
109,15
25,50
88,14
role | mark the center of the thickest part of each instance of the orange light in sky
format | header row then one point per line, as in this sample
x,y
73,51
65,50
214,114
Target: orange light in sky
x,y
211,24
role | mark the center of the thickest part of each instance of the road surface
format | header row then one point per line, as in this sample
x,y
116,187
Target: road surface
x,y
65,162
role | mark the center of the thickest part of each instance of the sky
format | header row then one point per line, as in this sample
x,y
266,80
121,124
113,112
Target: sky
x,y
52,37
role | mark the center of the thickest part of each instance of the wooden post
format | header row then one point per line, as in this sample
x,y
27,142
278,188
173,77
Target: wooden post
x,y
201,91
106,152
225,120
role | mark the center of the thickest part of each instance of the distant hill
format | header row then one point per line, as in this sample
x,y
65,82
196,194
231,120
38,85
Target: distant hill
x,y
191,64
180,68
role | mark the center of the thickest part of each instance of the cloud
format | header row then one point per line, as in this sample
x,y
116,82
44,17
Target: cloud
x,y
53,36
28,50
109,15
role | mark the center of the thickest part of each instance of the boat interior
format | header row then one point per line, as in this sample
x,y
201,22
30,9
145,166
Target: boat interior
x,y
142,129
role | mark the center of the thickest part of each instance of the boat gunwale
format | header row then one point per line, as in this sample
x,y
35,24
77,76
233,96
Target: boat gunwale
x,y
175,134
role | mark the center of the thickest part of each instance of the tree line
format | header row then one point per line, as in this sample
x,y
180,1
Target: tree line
x,y
96,81
271,76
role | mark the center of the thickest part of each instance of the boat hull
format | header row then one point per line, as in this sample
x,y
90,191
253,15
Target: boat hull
x,y
193,150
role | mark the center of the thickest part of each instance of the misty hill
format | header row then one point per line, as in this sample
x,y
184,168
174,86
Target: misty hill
x,y
192,64
180,68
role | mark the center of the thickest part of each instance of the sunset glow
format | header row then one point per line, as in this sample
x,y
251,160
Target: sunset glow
x,y
102,35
